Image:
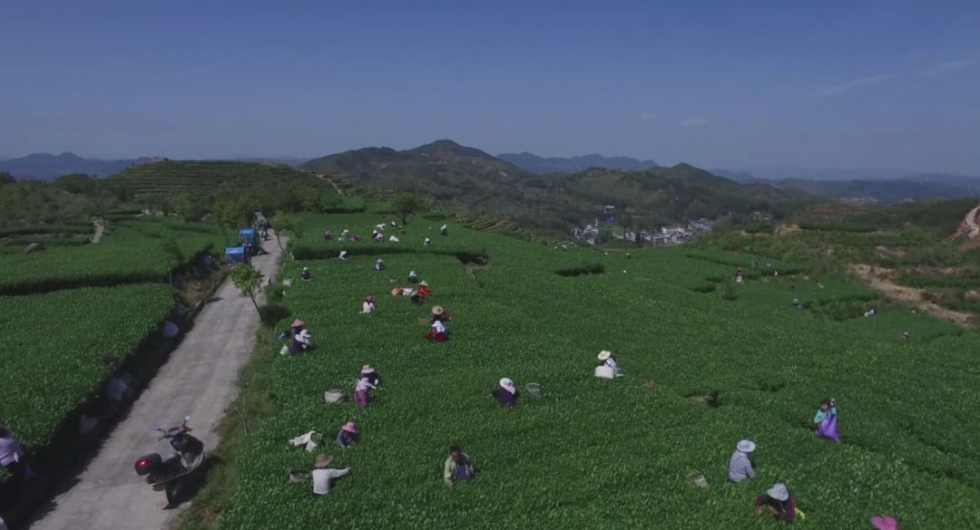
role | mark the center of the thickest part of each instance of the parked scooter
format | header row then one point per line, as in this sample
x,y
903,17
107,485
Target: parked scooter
x,y
170,475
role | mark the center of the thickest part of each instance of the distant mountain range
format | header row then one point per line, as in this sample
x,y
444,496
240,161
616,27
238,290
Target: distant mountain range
x,y
542,165
46,166
901,187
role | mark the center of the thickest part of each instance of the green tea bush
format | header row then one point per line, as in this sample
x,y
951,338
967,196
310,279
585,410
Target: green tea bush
x,y
608,454
54,344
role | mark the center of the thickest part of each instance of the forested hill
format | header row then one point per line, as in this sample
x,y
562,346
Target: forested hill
x,y
467,178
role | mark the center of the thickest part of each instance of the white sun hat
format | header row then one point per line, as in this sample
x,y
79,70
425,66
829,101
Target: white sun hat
x,y
508,385
746,446
779,492
604,354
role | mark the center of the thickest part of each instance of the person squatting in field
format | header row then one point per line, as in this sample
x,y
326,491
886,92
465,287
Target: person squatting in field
x,y
347,436
779,501
608,368
741,466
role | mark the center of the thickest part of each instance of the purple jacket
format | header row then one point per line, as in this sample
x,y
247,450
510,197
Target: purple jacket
x,y
505,398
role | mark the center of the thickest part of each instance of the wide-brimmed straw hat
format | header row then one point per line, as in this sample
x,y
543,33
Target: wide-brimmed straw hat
x,y
322,461
350,427
438,310
298,322
779,492
745,446
604,354
884,523
366,369
508,384
425,283
306,269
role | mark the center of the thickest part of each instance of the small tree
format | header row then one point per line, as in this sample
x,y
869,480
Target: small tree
x,y
285,223
406,205
175,256
248,280
230,214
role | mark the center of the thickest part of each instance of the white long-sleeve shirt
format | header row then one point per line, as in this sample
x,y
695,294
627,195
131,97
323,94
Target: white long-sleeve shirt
x,y
322,479
740,467
364,384
368,307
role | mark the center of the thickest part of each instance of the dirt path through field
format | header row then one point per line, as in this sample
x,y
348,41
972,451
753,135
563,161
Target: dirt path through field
x,y
332,183
99,229
877,278
200,378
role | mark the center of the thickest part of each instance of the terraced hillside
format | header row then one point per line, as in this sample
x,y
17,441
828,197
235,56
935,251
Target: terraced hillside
x,y
707,362
203,178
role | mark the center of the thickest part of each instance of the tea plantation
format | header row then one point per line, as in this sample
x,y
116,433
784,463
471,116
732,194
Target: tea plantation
x,y
64,309
607,454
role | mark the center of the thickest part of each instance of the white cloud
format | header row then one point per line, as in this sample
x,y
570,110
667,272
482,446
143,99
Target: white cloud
x,y
853,84
693,122
647,116
949,66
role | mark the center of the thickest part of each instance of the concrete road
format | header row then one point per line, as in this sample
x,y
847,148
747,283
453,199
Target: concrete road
x,y
200,378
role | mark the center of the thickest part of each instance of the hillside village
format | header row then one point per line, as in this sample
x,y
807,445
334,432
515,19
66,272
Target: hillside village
x,y
666,236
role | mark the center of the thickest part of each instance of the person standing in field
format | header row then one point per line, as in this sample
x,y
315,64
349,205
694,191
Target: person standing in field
x,y
458,467
444,229
371,374
323,476
306,275
779,502
362,393
825,421
506,393
741,466
368,306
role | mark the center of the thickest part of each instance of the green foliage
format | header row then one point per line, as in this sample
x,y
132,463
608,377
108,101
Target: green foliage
x,y
407,205
53,346
248,280
133,252
906,410
188,206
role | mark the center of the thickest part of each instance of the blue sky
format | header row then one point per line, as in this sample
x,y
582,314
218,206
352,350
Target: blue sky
x,y
777,84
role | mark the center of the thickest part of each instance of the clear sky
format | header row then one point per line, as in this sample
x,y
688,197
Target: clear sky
x,y
798,84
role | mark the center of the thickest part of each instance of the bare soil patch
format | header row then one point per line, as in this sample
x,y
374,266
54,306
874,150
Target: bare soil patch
x,y
880,279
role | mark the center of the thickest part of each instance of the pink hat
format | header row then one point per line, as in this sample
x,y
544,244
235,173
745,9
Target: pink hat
x,y
369,299
884,523
350,427
298,322
366,369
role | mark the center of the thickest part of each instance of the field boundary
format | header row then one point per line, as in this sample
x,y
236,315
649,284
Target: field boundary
x,y
68,454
